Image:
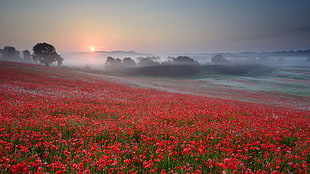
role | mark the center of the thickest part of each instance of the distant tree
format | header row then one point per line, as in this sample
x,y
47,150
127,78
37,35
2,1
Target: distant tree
x,y
46,54
219,59
1,53
169,61
170,58
27,55
118,61
110,61
147,61
17,54
129,62
10,52
184,60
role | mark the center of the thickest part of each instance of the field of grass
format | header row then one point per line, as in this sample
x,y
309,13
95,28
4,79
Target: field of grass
x,y
56,120
285,80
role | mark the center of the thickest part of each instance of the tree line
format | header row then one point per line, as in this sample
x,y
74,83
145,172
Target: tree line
x,y
43,53
150,61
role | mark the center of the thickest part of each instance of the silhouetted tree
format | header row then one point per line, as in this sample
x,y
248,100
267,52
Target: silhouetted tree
x,y
17,54
10,52
46,54
219,59
26,55
118,61
147,61
110,61
184,60
129,62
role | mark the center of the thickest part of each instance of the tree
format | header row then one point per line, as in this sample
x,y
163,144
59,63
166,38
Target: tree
x,y
10,52
118,61
219,59
46,54
113,62
110,61
129,62
184,60
27,55
147,61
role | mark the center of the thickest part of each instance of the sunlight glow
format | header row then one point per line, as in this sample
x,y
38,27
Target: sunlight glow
x,y
92,49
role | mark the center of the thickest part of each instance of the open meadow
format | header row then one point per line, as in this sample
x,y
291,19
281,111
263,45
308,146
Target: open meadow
x,y
55,120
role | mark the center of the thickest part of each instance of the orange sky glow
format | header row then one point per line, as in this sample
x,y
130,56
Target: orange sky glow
x,y
156,26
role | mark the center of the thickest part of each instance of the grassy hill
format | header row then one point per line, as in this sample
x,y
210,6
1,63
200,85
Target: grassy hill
x,y
62,121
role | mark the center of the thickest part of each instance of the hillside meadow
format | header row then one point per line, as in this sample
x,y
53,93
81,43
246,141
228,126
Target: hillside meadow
x,y
55,120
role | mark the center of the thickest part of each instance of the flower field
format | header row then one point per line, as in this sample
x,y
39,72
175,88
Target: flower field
x,y
60,121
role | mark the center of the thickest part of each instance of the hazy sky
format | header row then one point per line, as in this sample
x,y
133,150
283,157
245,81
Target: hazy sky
x,y
157,26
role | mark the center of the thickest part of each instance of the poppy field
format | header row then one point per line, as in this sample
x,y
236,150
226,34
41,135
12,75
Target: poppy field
x,y
56,120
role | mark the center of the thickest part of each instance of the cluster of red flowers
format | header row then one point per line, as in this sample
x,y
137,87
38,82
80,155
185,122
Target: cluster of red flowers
x,y
60,121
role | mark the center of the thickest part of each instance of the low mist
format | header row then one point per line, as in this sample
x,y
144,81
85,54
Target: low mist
x,y
180,66
190,65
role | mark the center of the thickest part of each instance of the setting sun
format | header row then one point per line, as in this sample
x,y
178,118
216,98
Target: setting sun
x,y
92,49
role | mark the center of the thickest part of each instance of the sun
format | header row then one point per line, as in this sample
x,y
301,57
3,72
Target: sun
x,y
91,49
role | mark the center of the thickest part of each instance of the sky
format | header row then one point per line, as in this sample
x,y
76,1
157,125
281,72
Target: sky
x,y
156,26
